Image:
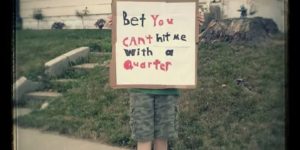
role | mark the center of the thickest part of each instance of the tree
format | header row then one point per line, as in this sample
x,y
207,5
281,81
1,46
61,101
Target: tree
x,y
82,14
38,15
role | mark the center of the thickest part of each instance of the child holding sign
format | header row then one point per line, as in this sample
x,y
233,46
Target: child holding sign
x,y
153,112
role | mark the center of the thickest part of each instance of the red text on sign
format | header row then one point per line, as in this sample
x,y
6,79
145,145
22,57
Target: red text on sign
x,y
160,22
156,64
135,41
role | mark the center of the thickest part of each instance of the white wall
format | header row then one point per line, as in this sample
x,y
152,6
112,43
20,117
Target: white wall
x,y
64,11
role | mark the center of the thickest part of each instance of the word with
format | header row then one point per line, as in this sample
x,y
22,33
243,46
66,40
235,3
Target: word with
x,y
132,52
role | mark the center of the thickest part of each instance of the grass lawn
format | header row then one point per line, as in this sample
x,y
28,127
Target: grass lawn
x,y
34,48
219,114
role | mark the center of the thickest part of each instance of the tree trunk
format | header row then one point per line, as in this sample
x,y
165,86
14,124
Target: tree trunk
x,y
239,30
82,21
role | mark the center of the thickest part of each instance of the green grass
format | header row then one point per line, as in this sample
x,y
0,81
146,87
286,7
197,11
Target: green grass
x,y
248,116
34,48
234,117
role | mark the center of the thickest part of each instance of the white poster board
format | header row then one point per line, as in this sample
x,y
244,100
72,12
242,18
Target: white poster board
x,y
154,44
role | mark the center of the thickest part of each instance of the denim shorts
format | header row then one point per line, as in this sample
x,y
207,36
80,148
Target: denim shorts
x,y
153,116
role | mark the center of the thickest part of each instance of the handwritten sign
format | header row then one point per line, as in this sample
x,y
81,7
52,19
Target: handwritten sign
x,y
154,44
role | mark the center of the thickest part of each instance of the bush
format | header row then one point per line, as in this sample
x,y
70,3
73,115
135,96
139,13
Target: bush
x,y
58,25
100,23
94,47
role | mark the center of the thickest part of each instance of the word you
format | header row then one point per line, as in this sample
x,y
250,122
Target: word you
x,y
134,21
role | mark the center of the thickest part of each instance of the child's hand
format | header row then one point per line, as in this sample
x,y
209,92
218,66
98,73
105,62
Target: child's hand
x,y
109,21
200,18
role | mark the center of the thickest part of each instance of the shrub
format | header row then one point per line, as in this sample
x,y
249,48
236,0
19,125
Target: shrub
x,y
100,23
94,47
58,25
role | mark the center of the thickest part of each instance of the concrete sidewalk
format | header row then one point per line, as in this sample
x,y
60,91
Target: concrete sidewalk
x,y
33,139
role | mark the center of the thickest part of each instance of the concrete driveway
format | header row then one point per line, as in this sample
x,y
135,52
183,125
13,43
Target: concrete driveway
x,y
33,139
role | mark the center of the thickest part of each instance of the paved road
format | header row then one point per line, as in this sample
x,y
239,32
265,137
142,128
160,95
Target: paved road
x,y
33,139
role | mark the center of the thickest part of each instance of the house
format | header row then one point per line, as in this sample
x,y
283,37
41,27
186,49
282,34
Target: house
x,y
65,11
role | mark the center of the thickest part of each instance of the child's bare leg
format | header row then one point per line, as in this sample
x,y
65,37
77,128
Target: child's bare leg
x,y
160,144
144,145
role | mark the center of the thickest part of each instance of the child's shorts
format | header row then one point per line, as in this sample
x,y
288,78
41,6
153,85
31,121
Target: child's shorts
x,y
153,116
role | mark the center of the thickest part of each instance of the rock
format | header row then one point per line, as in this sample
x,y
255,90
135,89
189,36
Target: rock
x,y
45,105
240,81
105,63
40,77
